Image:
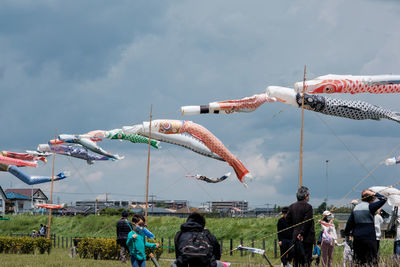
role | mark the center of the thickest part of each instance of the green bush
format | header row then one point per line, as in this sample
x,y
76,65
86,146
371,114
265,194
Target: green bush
x,y
43,244
156,251
24,245
106,249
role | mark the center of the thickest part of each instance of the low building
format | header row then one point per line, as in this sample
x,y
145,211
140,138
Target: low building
x,y
21,200
229,206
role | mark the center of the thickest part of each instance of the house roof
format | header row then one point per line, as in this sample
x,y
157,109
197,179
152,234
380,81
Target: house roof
x,y
25,191
13,195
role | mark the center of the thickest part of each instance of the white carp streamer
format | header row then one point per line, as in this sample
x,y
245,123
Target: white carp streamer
x,y
200,133
392,161
332,83
392,194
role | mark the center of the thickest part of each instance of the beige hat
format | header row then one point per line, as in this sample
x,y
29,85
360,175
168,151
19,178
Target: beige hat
x,y
326,213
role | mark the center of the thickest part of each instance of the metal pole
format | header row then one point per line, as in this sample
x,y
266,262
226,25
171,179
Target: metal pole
x,y
148,166
301,135
327,184
51,191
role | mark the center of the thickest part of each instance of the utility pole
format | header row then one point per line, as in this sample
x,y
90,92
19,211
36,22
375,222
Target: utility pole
x,y
327,184
302,130
148,166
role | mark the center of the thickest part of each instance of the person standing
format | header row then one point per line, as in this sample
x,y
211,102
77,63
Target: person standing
x,y
396,221
300,216
328,239
136,242
361,226
285,238
378,220
123,229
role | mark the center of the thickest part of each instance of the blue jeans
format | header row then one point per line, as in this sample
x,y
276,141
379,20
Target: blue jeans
x,y
396,248
137,263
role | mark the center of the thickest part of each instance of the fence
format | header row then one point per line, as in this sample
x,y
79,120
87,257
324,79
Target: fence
x,y
227,245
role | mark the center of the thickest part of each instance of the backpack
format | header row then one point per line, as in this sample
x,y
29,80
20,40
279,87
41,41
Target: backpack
x,y
326,237
195,248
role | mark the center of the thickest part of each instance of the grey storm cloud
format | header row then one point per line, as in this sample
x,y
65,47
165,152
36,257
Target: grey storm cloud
x,y
75,67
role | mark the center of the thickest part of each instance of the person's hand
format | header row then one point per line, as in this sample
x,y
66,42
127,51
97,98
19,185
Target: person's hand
x,y
151,255
157,245
280,243
134,236
370,193
300,237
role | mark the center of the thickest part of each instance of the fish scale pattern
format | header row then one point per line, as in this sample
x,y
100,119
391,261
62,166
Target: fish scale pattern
x,y
216,146
356,110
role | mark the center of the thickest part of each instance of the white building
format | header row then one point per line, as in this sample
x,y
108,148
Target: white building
x,y
3,199
24,200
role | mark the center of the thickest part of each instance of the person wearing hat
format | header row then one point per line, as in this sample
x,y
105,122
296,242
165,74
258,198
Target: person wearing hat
x,y
328,239
285,238
124,226
361,226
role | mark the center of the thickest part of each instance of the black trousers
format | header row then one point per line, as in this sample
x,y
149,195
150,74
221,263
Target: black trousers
x,y
365,252
302,254
286,244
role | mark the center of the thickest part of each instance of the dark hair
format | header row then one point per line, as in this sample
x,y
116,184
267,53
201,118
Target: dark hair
x,y
285,210
318,242
366,197
197,217
302,193
124,214
135,218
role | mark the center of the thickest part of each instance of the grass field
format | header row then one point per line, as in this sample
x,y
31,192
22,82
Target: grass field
x,y
60,257
104,226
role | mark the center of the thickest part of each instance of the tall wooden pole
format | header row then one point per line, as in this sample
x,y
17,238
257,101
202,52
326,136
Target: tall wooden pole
x,y
51,191
148,167
301,135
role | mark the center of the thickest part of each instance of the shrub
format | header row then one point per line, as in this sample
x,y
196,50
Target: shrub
x,y
106,249
43,244
156,251
24,245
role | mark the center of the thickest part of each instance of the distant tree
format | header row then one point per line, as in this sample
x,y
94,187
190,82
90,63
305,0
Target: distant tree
x,y
161,205
321,208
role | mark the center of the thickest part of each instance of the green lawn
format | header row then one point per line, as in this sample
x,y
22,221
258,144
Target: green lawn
x,y
60,257
166,227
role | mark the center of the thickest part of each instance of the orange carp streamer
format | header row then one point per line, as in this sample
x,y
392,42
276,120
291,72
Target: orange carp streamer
x,y
201,133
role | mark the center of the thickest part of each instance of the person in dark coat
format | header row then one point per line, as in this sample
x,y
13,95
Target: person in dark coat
x,y
195,224
124,226
300,216
361,226
285,238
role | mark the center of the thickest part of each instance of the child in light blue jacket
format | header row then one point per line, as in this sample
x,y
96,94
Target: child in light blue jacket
x,y
136,243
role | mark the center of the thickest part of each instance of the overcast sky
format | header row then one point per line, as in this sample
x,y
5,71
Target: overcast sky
x,y
72,67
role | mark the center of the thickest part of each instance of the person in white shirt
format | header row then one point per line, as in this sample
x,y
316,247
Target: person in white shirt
x,y
378,220
329,238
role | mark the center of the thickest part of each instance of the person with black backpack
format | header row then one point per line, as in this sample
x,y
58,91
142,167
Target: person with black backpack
x,y
195,246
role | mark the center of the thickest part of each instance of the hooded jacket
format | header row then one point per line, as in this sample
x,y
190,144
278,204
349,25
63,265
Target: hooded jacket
x,y
184,234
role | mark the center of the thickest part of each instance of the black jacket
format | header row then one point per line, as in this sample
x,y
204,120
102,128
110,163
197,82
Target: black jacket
x,y
192,226
123,229
298,213
284,235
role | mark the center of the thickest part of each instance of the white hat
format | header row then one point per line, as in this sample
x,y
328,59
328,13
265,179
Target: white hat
x,y
326,213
